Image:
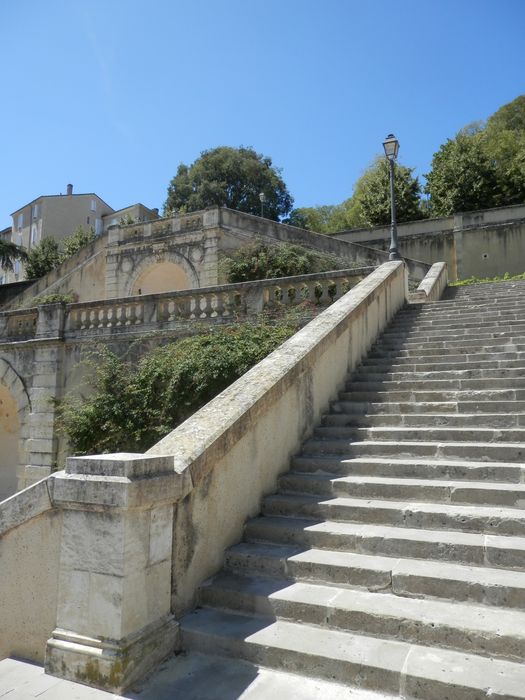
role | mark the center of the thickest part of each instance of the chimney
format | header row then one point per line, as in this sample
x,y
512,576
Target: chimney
x,y
70,189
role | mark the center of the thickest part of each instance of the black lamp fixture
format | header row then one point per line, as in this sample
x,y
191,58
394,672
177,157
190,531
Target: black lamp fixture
x,y
391,146
262,197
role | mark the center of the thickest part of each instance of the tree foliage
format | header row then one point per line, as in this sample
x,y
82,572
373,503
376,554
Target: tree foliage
x,y
135,404
371,199
77,240
258,261
230,177
9,252
483,166
42,258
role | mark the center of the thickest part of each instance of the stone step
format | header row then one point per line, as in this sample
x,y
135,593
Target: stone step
x,y
483,330
400,513
453,345
391,666
489,421
437,354
367,374
438,491
456,310
480,321
457,470
474,549
476,629
496,383
386,408
420,396
411,578
405,434
485,451
459,362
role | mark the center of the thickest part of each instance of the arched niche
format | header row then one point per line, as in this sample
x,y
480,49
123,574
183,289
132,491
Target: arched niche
x,y
14,409
166,276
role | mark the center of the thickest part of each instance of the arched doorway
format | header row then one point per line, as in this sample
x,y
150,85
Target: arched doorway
x,y
9,442
161,277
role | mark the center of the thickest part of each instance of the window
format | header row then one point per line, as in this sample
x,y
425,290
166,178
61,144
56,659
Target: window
x,y
34,234
17,268
20,223
34,211
87,220
98,226
93,205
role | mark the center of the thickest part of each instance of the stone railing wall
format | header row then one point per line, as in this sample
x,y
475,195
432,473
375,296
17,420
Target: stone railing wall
x,y
220,304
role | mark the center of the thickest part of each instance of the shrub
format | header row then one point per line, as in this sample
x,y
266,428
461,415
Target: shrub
x,y
257,261
134,406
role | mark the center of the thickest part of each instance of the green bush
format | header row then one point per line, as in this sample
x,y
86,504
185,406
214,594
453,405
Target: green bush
x,y
487,280
53,299
258,261
135,405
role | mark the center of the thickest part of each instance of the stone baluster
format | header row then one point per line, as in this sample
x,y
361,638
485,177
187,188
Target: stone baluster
x,y
102,317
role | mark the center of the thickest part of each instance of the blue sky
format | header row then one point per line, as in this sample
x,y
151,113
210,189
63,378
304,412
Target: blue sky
x,y
111,95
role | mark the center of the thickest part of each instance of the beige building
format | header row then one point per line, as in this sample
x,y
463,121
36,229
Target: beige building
x,y
57,216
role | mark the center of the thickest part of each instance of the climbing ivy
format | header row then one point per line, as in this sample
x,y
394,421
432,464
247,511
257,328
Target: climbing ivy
x,y
134,404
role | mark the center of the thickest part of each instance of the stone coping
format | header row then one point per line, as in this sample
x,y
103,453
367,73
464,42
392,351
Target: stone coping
x,y
25,505
432,285
208,435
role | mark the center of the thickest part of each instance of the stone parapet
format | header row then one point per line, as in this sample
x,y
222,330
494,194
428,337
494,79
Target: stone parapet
x,y
114,620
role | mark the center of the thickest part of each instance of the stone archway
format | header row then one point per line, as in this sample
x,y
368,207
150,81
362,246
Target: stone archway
x,y
14,410
155,275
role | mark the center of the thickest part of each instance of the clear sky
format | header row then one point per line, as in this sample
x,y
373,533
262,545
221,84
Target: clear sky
x,y
111,95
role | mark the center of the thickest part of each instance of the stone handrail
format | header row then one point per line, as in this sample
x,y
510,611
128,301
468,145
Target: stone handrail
x,y
432,286
222,303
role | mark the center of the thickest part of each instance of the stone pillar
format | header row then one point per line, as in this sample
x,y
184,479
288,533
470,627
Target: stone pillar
x,y
47,385
114,621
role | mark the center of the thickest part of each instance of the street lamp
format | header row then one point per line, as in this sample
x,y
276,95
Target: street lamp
x,y
262,197
391,146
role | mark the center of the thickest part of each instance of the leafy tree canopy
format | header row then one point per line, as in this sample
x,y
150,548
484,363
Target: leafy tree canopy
x,y
9,252
231,177
371,199
483,166
42,258
258,261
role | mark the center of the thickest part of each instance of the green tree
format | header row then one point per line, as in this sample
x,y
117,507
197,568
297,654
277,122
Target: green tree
x,y
483,166
462,177
231,177
258,261
42,258
78,239
371,199
9,252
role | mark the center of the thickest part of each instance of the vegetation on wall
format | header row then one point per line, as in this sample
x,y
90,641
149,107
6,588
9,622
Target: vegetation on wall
x,y
9,252
258,261
507,277
135,404
230,177
42,258
47,255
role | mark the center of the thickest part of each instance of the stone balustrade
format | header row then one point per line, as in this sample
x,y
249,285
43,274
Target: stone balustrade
x,y
18,325
219,304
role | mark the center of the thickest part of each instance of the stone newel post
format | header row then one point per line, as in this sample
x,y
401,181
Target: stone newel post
x,y
113,614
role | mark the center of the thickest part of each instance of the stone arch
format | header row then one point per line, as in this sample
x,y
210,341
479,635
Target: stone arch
x,y
155,274
15,406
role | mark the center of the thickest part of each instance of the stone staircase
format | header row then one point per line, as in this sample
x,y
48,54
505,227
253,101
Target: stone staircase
x,y
392,557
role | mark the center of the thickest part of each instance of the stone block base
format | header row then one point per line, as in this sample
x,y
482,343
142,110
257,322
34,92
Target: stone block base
x,y
109,665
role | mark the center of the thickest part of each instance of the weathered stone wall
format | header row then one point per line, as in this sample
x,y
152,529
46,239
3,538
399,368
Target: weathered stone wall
x,y
30,530
481,243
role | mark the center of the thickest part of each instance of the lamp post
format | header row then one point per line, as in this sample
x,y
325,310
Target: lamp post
x,y
391,146
262,197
